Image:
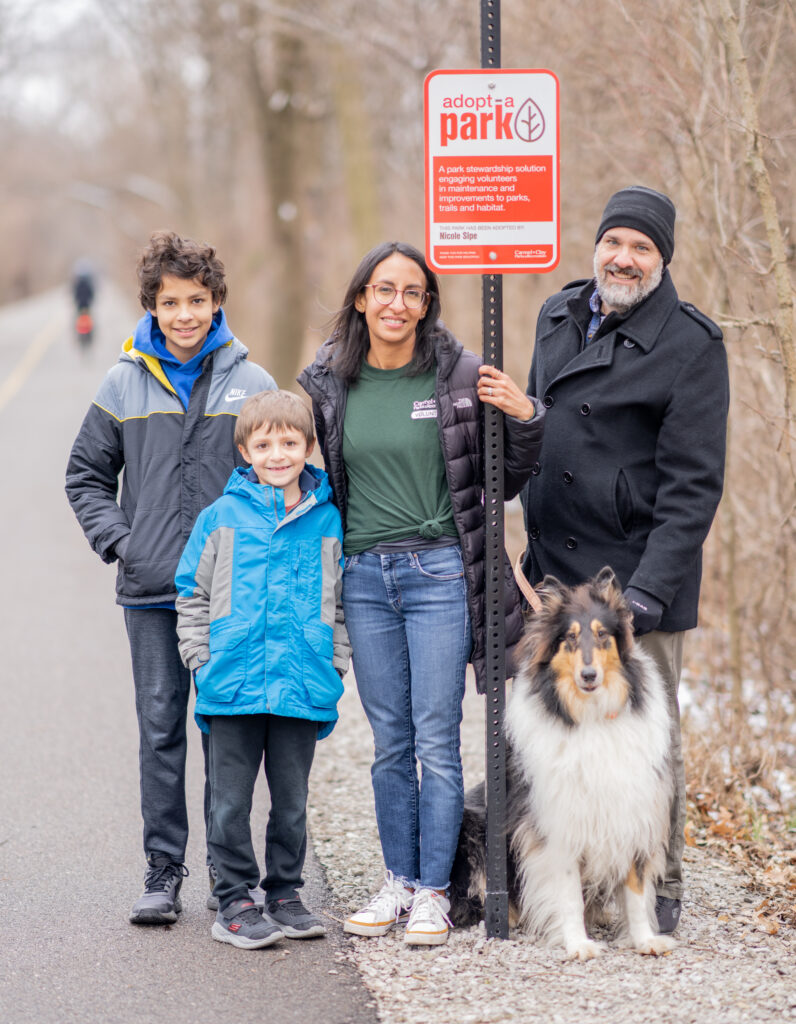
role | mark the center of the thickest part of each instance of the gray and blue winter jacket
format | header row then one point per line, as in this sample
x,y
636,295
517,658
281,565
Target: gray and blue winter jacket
x,y
176,461
260,616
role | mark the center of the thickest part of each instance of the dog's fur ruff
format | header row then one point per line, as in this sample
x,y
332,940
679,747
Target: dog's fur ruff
x,y
588,778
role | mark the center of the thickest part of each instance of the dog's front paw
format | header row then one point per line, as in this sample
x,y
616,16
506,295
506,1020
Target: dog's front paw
x,y
656,945
584,949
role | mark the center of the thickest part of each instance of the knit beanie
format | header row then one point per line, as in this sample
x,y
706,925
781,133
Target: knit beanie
x,y
645,210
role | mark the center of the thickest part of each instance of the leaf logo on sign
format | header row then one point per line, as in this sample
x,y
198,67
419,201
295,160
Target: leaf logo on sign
x,y
529,123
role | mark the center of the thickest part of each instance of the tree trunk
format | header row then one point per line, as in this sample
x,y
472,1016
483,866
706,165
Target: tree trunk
x,y
761,182
285,153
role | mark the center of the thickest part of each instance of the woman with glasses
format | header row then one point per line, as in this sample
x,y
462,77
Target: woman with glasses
x,y
399,417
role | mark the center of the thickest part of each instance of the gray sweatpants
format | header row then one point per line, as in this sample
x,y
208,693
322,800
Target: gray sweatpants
x,y
285,747
667,650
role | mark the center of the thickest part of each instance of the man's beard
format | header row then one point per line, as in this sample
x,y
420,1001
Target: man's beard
x,y
623,297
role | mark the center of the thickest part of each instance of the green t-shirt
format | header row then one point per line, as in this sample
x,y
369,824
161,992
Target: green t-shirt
x,y
397,487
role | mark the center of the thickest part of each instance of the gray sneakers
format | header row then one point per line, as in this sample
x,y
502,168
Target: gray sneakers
x,y
257,895
160,902
294,919
241,924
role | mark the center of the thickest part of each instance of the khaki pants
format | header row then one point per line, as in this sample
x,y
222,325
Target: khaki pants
x,y
667,650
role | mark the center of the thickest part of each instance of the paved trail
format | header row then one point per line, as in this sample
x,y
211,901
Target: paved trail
x,y
70,861
70,831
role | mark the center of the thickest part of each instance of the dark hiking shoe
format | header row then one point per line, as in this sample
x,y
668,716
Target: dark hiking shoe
x,y
160,902
667,911
241,924
212,899
257,895
294,919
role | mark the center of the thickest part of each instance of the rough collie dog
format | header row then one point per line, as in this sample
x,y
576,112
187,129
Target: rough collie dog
x,y
588,778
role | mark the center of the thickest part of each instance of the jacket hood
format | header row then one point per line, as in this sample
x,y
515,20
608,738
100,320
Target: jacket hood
x,y
314,484
148,339
141,348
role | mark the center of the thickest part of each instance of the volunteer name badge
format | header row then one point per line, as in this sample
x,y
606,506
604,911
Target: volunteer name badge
x,y
492,181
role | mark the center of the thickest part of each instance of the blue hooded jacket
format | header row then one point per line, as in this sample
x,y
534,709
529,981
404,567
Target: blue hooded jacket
x,y
260,618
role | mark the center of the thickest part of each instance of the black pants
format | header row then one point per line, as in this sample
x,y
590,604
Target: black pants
x,y
286,747
162,689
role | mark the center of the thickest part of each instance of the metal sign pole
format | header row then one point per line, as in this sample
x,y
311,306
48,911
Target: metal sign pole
x,y
497,899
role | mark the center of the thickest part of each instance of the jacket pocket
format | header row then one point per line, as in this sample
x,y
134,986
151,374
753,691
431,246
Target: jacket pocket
x,y
623,504
443,564
323,684
219,679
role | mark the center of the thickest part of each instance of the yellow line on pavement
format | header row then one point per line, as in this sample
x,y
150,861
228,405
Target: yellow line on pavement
x,y
28,363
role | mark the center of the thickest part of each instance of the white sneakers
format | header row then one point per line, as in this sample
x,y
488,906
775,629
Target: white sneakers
x,y
428,921
390,904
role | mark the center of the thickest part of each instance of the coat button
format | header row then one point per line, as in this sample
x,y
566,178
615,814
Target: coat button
x,y
568,477
548,401
571,543
536,469
628,343
585,409
533,533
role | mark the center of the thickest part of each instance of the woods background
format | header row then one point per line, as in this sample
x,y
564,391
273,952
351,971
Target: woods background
x,y
290,136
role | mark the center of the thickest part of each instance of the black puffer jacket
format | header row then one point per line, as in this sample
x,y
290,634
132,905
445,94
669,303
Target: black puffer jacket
x,y
460,422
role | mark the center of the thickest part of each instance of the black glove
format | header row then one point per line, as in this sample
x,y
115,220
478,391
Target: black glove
x,y
647,610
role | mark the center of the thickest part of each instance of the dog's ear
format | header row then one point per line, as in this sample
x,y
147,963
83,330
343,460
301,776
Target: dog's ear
x,y
607,587
606,581
550,587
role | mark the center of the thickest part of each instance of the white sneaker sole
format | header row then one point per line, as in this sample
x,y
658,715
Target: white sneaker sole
x,y
220,934
374,930
368,930
426,938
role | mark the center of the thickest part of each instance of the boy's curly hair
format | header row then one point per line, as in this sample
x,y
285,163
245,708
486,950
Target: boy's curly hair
x,y
168,253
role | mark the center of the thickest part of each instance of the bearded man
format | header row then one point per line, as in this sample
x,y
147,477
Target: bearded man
x,y
632,466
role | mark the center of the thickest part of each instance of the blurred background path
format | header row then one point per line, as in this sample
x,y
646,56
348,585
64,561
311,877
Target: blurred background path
x,y
70,832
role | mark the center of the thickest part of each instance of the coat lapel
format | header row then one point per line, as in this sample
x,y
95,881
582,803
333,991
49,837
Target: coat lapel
x,y
559,352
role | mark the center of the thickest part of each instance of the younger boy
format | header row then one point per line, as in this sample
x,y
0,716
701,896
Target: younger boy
x,y
261,626
165,414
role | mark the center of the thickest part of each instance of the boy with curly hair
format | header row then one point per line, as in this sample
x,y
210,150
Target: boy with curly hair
x,y
165,415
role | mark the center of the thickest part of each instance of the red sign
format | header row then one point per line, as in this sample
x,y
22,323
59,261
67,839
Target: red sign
x,y
492,193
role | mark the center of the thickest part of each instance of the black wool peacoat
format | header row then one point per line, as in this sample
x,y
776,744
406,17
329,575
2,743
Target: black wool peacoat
x,y
632,466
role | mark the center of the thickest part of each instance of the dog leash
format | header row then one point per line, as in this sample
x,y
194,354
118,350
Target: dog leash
x,y
522,582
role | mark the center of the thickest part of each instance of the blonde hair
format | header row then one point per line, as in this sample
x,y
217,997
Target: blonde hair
x,y
274,409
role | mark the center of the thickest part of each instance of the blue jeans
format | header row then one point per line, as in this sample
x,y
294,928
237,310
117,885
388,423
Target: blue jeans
x,y
409,627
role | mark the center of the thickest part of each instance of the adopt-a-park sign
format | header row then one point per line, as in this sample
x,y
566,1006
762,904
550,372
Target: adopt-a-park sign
x,y
492,171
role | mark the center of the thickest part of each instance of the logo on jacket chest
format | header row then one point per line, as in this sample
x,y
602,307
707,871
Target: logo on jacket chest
x,y
424,410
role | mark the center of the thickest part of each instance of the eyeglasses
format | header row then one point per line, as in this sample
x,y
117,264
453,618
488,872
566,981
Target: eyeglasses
x,y
384,294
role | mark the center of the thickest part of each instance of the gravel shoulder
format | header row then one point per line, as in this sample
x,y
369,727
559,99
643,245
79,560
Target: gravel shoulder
x,y
725,970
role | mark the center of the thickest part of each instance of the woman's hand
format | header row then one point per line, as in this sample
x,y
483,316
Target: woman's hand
x,y
497,388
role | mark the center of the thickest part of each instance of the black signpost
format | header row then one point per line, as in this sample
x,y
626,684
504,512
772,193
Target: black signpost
x,y
491,140
497,899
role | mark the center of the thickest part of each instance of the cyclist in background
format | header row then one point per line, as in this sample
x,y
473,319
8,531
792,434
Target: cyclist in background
x,y
83,294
